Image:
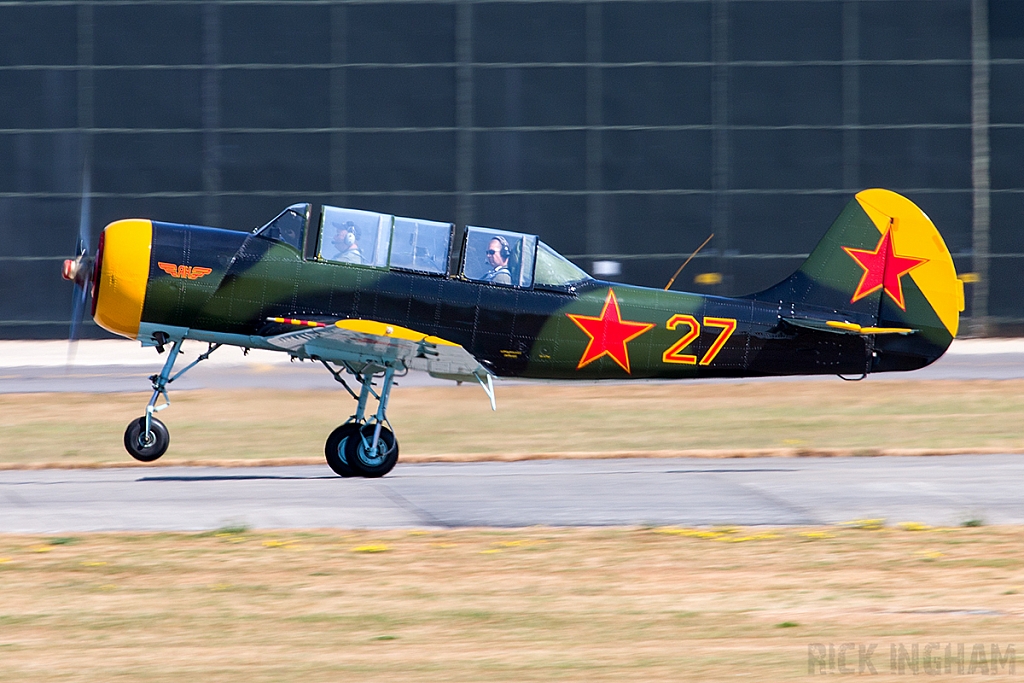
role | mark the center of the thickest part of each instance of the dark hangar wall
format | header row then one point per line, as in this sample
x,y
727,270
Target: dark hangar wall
x,y
623,131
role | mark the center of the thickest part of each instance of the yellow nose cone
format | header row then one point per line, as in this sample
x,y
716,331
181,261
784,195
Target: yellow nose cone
x,y
123,276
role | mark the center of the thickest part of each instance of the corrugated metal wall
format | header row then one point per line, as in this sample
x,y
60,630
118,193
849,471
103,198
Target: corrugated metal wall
x,y
624,131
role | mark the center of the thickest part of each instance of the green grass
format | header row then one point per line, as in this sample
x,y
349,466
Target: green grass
x,y
861,418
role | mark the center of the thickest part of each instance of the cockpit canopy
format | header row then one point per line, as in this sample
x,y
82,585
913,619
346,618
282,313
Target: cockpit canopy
x,y
289,226
383,241
352,236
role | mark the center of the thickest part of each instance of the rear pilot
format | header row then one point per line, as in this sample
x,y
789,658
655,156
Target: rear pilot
x,y
497,258
345,244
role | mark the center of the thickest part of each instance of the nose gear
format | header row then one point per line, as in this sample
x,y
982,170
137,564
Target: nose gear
x,y
147,438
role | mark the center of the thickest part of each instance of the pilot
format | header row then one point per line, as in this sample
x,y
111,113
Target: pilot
x,y
289,233
497,258
345,244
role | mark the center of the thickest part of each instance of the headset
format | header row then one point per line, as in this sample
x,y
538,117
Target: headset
x,y
505,251
352,233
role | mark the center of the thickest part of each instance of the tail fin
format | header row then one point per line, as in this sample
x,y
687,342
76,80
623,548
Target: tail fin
x,y
881,264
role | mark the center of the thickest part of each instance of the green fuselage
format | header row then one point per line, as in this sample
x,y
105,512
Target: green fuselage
x,y
593,330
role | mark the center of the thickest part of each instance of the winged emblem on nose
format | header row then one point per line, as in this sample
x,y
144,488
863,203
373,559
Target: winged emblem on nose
x,y
184,272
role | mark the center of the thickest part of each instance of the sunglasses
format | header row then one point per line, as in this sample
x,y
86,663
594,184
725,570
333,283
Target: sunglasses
x,y
492,252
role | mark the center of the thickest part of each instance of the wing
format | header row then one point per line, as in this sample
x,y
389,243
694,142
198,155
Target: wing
x,y
367,341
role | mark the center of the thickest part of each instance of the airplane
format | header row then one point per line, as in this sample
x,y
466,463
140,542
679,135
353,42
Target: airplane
x,y
373,296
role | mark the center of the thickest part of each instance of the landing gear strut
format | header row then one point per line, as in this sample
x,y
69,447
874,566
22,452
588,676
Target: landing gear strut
x,y
364,446
146,437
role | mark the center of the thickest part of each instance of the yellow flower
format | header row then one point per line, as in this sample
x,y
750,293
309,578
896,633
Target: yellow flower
x,y
765,536
707,534
694,533
869,524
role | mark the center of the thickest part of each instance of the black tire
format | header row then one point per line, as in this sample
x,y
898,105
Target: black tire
x,y
334,449
141,448
368,464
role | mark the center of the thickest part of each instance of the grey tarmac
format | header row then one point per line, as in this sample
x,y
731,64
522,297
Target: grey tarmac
x,y
946,490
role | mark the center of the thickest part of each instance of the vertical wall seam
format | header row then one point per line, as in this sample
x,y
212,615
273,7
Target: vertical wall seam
x,y
851,95
720,132
597,240
211,114
86,111
980,160
338,114
464,112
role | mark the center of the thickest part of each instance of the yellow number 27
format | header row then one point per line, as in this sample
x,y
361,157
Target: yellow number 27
x,y
673,353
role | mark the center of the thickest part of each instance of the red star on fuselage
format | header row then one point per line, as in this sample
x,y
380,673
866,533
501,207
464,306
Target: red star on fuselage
x,y
883,269
608,333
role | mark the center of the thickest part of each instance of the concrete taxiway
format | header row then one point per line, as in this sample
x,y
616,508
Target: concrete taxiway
x,y
782,491
947,490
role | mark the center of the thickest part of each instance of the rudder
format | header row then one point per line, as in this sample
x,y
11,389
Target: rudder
x,y
882,264
939,292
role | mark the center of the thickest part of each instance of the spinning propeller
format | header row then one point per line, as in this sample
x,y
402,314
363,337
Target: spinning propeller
x,y
79,269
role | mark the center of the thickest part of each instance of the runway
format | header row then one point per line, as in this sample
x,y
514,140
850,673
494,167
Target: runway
x,y
802,491
948,490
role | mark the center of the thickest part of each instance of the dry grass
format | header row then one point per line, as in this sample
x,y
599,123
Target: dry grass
x,y
531,419
511,605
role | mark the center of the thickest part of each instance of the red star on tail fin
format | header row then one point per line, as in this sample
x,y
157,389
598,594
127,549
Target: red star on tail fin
x,y
883,269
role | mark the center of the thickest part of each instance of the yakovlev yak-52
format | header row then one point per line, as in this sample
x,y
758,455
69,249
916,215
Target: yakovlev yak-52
x,y
373,296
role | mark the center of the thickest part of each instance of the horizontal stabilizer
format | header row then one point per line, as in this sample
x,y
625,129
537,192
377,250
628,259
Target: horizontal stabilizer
x,y
844,327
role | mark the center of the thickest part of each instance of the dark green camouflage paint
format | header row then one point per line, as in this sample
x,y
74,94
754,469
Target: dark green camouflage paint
x,y
527,333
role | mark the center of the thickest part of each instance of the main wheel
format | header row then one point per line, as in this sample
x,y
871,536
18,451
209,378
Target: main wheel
x,y
146,447
334,449
376,462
